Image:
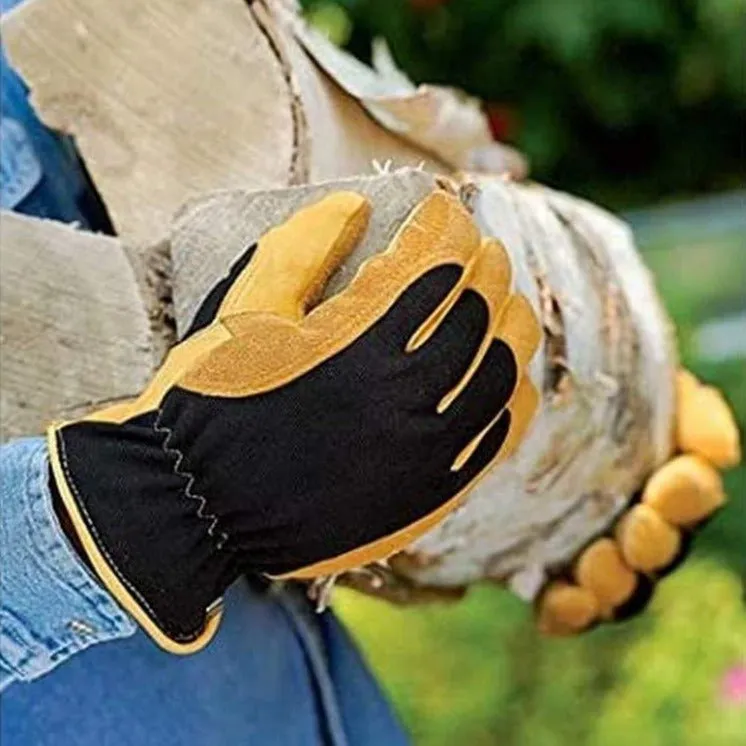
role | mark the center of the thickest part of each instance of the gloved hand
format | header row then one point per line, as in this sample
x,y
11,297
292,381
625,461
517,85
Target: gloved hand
x,y
614,576
296,443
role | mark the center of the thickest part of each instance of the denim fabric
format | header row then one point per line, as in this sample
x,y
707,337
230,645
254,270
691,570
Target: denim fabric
x,y
6,5
276,673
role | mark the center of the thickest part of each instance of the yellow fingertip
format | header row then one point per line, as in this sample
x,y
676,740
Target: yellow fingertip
x,y
523,407
686,382
685,490
491,273
439,227
519,329
705,424
647,541
566,609
601,570
438,230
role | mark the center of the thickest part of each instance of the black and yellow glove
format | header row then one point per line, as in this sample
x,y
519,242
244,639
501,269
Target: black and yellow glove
x,y
292,443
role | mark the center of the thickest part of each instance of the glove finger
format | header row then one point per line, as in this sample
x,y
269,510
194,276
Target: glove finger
x,y
451,349
685,491
601,570
489,275
566,609
420,302
519,329
488,272
648,542
294,260
705,425
486,395
402,282
483,450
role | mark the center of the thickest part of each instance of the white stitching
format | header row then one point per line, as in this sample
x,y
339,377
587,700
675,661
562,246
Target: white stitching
x,y
200,499
104,551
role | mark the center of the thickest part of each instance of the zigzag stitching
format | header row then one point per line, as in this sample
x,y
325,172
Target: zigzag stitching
x,y
200,499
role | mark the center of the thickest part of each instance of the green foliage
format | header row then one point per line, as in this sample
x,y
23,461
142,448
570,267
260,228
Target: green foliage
x,y
623,100
478,673
667,680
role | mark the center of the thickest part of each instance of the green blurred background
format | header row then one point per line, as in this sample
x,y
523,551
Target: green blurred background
x,y
624,101
634,104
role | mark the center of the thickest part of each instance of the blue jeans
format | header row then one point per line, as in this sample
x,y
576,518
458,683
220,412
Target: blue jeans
x,y
271,676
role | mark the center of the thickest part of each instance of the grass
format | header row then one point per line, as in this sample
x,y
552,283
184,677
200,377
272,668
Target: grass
x,y
476,673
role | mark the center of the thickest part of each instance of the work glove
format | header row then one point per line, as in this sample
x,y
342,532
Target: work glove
x,y
614,576
289,439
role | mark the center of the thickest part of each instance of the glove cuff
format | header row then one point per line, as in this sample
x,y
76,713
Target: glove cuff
x,y
150,540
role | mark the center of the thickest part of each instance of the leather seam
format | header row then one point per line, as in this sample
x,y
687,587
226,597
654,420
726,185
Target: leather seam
x,y
201,500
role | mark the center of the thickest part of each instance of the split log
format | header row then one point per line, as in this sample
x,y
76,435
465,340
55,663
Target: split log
x,y
76,327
